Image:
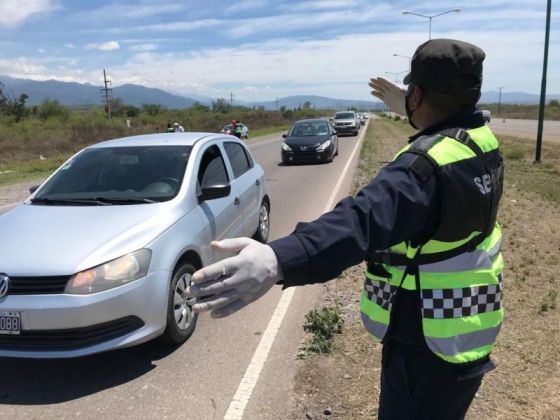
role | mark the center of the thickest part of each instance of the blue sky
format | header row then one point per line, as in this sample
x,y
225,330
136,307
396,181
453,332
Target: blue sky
x,y
263,49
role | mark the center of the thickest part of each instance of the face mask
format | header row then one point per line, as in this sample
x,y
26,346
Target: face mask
x,y
409,112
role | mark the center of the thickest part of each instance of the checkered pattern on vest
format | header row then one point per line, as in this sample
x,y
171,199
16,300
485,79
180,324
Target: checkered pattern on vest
x,y
457,303
380,292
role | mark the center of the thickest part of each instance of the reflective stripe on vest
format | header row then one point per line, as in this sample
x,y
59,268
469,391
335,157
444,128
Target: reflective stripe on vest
x,y
461,297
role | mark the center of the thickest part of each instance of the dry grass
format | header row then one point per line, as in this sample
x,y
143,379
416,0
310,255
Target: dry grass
x,y
526,383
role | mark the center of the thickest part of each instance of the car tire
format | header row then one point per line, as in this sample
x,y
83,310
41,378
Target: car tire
x,y
263,227
181,318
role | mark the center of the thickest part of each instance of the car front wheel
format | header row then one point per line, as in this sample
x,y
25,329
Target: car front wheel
x,y
181,318
263,228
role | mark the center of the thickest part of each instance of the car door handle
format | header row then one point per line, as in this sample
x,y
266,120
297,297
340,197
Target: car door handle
x,y
236,202
257,182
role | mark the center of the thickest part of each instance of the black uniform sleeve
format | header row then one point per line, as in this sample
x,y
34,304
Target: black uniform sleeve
x,y
397,205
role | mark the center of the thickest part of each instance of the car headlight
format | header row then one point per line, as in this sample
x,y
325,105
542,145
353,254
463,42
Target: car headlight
x,y
111,274
286,148
323,146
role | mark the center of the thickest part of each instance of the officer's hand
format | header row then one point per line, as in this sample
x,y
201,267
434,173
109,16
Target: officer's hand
x,y
392,94
234,282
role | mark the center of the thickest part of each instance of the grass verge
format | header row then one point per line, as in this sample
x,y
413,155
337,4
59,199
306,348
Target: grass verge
x,y
269,130
29,170
526,383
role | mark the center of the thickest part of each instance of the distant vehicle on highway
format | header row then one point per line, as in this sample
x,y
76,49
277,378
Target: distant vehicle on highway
x,y
362,118
366,115
486,115
100,255
310,140
346,122
228,129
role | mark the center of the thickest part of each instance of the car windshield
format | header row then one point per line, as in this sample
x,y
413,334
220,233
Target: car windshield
x,y
344,116
118,175
311,128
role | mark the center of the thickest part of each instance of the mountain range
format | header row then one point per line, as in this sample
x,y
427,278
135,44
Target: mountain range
x,y
78,94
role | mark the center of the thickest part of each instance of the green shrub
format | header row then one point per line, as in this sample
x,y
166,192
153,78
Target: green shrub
x,y
323,324
514,153
49,109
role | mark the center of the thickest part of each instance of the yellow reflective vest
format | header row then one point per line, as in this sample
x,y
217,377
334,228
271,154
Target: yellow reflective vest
x,y
458,271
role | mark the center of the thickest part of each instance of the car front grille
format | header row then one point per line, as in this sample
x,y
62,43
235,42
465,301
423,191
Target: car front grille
x,y
69,339
37,285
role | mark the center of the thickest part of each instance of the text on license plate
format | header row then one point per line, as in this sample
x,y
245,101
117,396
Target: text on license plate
x,y
10,323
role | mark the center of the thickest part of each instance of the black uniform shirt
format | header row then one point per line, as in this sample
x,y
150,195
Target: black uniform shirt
x,y
397,205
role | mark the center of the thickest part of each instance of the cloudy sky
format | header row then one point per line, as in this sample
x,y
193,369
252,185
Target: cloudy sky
x,y
262,49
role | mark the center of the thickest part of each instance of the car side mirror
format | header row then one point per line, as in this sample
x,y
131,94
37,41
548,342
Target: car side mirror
x,y
214,191
284,136
33,189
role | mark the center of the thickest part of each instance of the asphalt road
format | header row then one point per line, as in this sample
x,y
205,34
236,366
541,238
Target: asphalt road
x,y
526,128
199,379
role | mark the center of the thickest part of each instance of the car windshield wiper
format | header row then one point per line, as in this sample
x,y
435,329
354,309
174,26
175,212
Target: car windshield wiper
x,y
75,201
125,200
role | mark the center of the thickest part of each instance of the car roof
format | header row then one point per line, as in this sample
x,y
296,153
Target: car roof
x,y
308,120
160,139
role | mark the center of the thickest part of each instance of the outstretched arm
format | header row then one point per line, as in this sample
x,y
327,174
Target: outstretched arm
x,y
395,206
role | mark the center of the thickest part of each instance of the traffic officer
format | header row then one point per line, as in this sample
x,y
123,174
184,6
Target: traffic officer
x,y
425,226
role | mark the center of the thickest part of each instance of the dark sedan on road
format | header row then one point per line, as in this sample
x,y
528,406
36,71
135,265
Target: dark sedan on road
x,y
312,140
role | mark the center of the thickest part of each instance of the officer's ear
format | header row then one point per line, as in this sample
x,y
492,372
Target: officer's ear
x,y
415,97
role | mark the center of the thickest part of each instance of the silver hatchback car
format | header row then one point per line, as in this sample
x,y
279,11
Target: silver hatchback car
x,y
100,255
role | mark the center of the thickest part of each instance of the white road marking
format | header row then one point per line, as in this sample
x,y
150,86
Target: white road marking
x,y
249,380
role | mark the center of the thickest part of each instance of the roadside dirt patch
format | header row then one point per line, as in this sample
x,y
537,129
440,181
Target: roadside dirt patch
x,y
526,383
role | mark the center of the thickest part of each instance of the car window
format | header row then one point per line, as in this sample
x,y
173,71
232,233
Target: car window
x,y
212,169
150,172
238,158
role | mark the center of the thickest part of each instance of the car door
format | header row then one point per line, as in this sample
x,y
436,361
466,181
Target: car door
x,y
246,183
222,216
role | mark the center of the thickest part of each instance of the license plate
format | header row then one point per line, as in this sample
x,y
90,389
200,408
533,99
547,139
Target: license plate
x,y
10,323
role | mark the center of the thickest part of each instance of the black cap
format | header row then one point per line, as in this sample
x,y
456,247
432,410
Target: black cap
x,y
447,66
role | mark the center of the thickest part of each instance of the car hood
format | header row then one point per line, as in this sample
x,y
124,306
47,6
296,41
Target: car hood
x,y
307,140
38,240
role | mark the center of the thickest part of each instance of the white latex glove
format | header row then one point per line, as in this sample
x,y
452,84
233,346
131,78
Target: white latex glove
x,y
392,94
234,282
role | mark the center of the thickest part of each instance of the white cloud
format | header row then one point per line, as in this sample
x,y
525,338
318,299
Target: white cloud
x,y
303,21
15,12
179,26
126,11
312,66
102,46
69,45
245,5
143,47
41,51
322,5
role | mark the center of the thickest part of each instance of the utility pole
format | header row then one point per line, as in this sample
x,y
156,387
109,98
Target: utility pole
x,y
231,98
107,93
500,99
543,85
